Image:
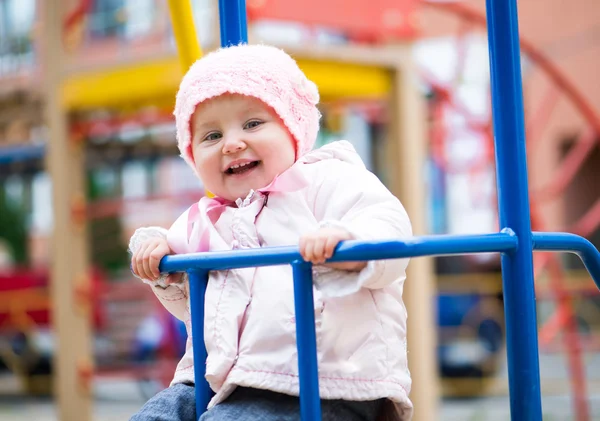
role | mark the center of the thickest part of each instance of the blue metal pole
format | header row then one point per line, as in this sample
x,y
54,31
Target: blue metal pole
x,y
306,342
513,202
232,18
562,241
505,242
198,279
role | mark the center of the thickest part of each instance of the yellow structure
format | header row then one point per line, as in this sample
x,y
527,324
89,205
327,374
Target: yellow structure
x,y
185,32
158,81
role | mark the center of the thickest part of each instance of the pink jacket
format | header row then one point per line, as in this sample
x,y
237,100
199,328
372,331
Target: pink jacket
x,y
249,313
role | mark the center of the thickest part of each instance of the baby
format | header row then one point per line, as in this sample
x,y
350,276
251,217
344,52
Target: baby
x,y
246,121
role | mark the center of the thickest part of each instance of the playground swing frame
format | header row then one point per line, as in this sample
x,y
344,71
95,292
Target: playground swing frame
x,y
515,241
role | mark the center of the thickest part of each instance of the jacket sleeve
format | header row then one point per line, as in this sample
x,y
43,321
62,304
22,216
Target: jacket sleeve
x,y
173,296
351,197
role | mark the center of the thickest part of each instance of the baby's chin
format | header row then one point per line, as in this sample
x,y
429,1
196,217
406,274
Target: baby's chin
x,y
241,193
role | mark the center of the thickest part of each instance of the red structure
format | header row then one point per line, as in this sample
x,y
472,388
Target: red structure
x,y
564,319
376,20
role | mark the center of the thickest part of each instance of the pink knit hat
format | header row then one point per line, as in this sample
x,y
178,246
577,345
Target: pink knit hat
x,y
263,72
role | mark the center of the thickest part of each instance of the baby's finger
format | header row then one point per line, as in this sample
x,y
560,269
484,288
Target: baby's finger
x,y
146,264
137,261
155,257
318,255
330,246
174,278
307,249
302,247
154,262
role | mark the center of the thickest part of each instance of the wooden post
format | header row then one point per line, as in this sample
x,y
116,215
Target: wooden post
x,y
408,151
70,280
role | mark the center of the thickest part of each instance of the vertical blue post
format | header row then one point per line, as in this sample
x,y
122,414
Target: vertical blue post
x,y
306,341
232,18
198,280
513,202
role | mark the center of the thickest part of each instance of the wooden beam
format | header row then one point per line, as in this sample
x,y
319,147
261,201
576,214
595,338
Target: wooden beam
x,y
408,152
70,281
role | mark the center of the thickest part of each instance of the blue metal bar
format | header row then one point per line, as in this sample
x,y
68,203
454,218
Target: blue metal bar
x,y
232,18
504,242
198,280
513,202
306,342
198,265
13,154
562,241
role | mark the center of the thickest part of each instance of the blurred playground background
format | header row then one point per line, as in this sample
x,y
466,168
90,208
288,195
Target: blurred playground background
x,y
106,97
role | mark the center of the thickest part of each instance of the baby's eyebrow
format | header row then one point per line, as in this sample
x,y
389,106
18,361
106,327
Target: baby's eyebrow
x,y
255,109
203,125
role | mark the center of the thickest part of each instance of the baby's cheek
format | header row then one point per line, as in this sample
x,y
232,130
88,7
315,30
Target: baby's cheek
x,y
284,157
209,175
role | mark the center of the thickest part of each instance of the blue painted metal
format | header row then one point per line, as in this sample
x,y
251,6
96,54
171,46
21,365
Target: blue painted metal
x,y
232,17
348,251
12,154
513,202
198,280
306,341
562,241
198,265
516,241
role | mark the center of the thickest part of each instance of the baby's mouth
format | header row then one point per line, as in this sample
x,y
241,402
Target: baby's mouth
x,y
242,168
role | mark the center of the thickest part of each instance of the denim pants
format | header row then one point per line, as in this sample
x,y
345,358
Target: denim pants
x,y
177,403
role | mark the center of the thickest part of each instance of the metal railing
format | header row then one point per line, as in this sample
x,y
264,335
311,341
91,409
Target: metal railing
x,y
516,241
198,265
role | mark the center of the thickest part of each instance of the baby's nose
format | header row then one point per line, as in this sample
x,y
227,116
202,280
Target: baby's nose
x,y
233,144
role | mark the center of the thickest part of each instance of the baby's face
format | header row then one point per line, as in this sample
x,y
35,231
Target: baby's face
x,y
239,144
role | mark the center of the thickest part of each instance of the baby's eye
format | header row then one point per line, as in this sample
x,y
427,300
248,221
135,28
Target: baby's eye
x,y
213,136
252,124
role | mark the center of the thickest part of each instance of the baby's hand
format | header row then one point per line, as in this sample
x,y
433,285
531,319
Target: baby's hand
x,y
145,261
320,245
